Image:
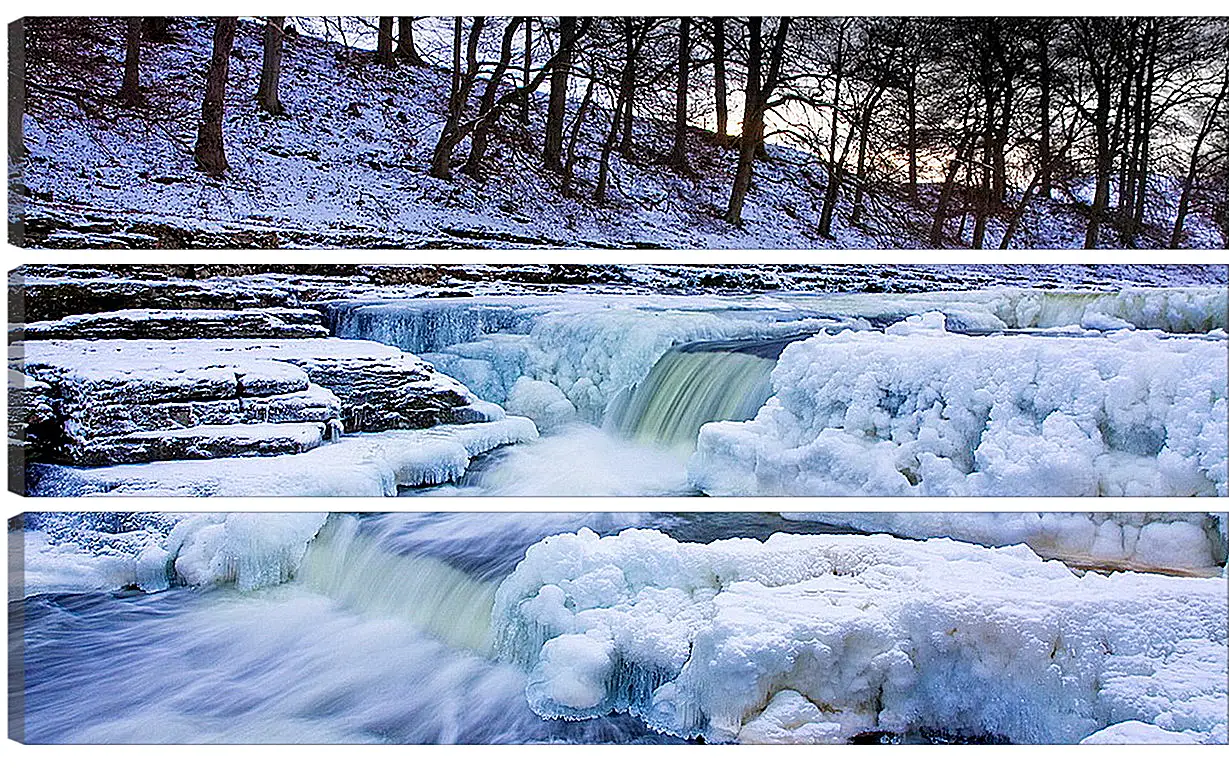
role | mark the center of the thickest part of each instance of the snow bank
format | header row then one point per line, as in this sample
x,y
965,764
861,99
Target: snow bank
x,y
1180,541
931,412
97,552
249,550
373,464
818,638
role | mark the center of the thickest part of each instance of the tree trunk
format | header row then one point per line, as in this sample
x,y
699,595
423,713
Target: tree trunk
x,y
752,123
384,41
719,86
1104,167
556,110
1046,77
209,152
130,92
406,51
486,106
271,68
678,155
629,101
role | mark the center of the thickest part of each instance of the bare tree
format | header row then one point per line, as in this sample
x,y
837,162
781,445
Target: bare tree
x,y
486,106
209,152
758,93
557,106
678,154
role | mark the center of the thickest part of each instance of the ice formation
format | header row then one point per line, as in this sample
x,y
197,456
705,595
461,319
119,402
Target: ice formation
x,y
1177,541
919,410
367,464
93,552
818,638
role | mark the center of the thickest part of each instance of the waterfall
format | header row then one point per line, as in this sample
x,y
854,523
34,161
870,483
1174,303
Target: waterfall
x,y
694,384
442,601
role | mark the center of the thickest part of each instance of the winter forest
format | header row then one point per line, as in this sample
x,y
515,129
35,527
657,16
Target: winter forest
x,y
692,132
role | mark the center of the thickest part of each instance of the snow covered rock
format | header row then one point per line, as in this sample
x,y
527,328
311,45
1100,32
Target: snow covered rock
x,y
819,638
1172,541
863,412
182,324
122,401
364,464
33,299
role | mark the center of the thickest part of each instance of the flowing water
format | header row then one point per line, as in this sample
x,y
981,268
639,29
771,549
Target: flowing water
x,y
648,432
382,636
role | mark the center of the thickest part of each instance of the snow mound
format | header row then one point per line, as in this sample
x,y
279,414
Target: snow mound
x,y
938,413
250,551
819,638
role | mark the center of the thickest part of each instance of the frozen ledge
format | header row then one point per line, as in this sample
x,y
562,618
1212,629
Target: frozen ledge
x,y
365,464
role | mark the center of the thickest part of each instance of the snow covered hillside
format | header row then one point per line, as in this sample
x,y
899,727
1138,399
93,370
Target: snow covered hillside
x,y
346,167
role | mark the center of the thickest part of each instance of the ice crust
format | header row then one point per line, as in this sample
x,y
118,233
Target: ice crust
x,y
593,347
919,410
367,464
1165,540
818,638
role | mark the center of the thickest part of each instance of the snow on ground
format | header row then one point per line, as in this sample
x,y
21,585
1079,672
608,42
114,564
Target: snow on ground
x,y
347,167
919,410
1178,541
362,464
818,638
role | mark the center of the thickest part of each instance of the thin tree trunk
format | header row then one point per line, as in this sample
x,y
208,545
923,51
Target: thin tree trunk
x,y
678,155
384,42
719,85
130,92
557,108
271,68
1192,168
911,116
528,68
945,193
209,152
406,50
570,165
